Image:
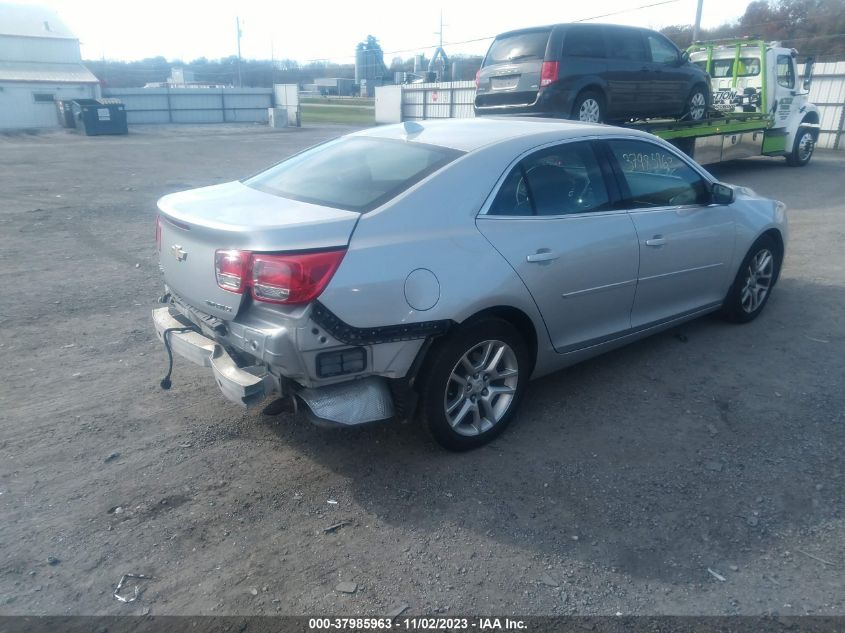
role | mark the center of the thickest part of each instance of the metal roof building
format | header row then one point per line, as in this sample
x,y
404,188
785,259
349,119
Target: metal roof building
x,y
40,63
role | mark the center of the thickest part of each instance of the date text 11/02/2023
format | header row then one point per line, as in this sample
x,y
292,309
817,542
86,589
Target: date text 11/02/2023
x,y
416,624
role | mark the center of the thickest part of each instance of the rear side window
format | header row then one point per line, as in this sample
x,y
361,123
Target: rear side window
x,y
353,173
518,46
560,180
584,41
626,44
656,177
662,52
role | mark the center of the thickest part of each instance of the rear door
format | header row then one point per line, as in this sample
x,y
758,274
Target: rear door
x,y
685,243
553,219
628,77
510,74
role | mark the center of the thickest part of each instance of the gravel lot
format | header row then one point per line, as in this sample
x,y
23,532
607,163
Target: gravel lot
x,y
623,480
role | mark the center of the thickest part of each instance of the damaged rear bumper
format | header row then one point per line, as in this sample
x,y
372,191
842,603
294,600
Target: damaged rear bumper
x,y
241,385
359,401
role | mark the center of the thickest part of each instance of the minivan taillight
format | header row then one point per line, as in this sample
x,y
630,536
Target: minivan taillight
x,y
477,79
290,279
549,73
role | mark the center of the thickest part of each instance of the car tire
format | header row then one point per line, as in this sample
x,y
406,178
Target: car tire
x,y
754,281
589,107
465,408
697,105
802,148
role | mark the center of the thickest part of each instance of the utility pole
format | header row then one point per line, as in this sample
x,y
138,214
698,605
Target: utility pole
x,y
697,27
238,25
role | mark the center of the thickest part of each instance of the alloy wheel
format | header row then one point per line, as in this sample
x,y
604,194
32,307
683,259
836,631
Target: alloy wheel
x,y
758,280
481,388
589,111
697,106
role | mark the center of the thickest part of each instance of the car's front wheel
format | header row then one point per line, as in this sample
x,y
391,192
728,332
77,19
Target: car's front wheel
x,y
754,281
473,383
696,107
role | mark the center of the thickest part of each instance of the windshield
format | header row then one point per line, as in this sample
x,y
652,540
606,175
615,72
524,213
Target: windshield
x,y
516,46
353,173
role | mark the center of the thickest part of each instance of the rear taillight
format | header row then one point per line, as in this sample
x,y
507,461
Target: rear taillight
x,y
477,78
232,270
549,73
292,278
158,233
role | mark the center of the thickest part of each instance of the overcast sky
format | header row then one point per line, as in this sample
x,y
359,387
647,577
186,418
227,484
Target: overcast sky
x,y
329,29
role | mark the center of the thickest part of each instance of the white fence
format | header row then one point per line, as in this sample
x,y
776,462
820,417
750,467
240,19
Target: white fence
x,y
194,105
412,102
828,92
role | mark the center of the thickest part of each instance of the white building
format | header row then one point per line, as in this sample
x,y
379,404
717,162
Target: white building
x,y
40,63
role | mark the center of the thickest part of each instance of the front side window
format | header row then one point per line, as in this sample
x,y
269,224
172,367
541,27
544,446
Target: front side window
x,y
786,75
626,44
584,41
662,52
561,180
353,173
656,177
518,46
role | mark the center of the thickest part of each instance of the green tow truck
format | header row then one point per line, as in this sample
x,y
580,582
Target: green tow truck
x,y
757,107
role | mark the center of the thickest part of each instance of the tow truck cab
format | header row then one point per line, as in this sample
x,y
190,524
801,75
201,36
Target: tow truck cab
x,y
753,76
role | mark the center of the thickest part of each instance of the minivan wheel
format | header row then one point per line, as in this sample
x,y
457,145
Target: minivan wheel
x,y
473,384
753,284
696,109
589,107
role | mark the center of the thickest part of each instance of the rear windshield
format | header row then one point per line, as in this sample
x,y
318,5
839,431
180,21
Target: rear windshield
x,y
353,173
517,46
748,67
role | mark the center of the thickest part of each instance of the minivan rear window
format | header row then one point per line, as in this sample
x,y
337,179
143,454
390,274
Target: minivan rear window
x,y
353,173
518,46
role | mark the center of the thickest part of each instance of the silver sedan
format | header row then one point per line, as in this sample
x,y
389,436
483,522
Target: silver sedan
x,y
431,269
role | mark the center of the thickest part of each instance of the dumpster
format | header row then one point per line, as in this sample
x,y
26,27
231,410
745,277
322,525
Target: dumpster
x,y
65,113
99,116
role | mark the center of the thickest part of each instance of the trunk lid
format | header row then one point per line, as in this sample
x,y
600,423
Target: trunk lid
x,y
196,223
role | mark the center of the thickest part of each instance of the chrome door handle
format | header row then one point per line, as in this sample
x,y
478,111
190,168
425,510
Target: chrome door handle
x,y
657,240
543,255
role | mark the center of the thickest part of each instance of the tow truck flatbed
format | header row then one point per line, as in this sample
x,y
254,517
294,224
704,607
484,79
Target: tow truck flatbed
x,y
727,123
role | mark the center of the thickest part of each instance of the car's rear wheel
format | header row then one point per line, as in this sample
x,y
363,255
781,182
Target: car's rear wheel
x,y
473,383
753,284
589,107
696,107
802,148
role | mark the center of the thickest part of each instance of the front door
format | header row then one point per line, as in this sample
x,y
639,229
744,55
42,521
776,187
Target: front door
x,y
553,219
685,243
668,79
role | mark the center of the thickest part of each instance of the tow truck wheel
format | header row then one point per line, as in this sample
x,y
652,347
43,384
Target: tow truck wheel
x,y
589,107
802,148
696,108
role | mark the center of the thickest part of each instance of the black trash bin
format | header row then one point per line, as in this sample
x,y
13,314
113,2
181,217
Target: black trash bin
x,y
99,116
65,113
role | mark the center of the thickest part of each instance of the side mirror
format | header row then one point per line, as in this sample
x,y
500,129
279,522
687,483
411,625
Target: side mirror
x,y
684,57
721,194
808,73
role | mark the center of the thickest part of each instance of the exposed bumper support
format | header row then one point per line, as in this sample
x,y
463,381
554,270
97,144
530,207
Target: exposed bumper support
x,y
241,385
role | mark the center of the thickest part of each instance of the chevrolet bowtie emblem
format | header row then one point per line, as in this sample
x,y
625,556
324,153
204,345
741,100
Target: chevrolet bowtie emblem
x,y
179,253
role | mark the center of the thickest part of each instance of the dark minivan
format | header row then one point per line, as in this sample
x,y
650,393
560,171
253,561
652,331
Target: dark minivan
x,y
590,72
